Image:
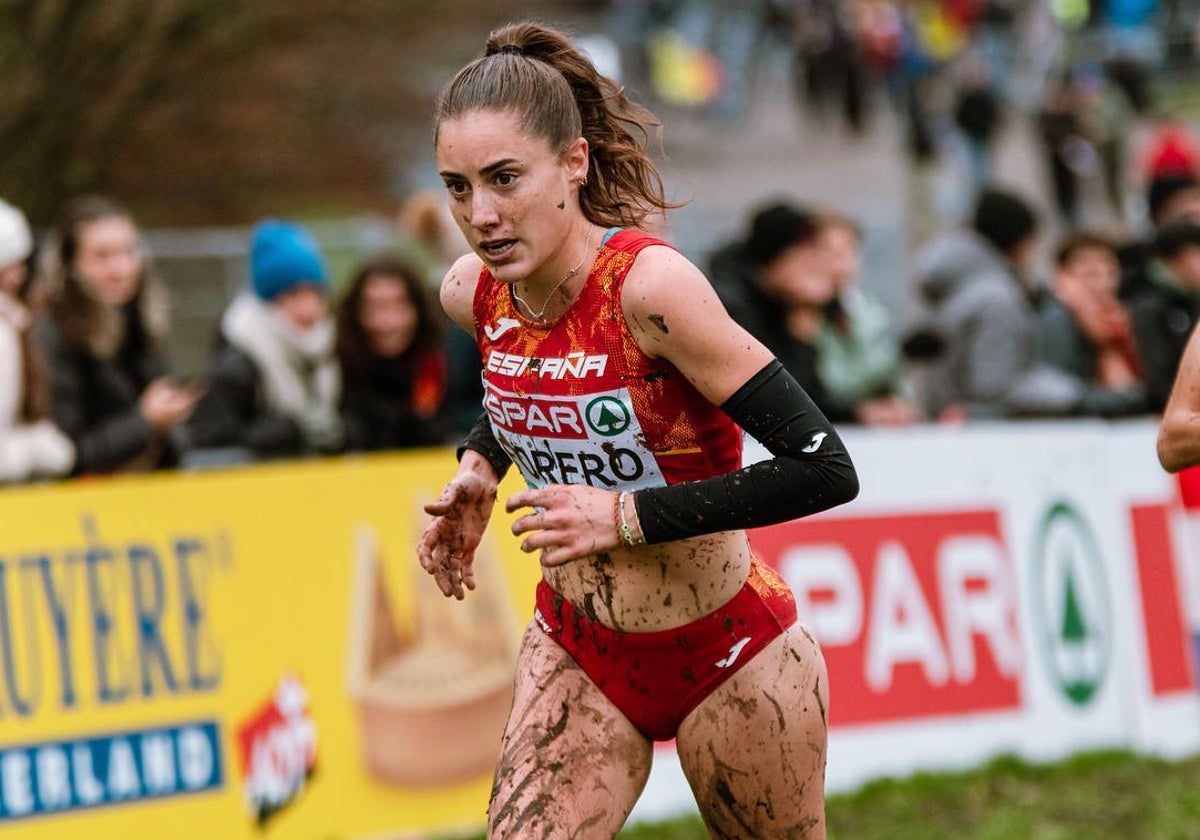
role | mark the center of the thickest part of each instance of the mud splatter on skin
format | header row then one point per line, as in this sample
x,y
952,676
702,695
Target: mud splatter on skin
x,y
589,607
555,729
820,703
780,750
722,795
606,584
660,322
778,712
747,706
562,205
551,778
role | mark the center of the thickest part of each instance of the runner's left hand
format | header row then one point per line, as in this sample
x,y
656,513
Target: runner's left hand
x,y
569,522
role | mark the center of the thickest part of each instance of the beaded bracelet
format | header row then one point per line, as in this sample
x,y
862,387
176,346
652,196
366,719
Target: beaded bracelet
x,y
623,528
617,515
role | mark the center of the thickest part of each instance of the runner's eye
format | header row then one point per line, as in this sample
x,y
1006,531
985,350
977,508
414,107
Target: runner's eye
x,y
457,189
506,179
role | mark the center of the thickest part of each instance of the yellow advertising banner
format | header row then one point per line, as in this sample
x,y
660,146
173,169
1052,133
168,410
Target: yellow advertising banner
x,y
252,653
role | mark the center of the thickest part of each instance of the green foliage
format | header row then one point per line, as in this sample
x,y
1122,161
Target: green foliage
x,y
1097,796
1094,796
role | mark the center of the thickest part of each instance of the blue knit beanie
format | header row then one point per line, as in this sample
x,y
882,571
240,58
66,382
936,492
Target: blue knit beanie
x,y
283,256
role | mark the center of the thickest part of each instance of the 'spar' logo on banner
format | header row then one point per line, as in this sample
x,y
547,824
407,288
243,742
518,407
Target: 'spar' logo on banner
x,y
916,613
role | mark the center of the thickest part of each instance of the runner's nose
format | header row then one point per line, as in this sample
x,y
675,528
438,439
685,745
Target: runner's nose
x,y
483,210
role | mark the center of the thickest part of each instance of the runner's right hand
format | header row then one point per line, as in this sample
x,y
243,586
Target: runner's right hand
x,y
460,516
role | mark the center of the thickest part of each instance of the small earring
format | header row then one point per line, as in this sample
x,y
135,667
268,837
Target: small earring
x,y
583,182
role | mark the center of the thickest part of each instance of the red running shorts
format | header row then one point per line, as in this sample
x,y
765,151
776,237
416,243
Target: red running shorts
x,y
657,678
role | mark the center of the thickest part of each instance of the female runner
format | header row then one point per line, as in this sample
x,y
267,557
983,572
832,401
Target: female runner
x,y
617,384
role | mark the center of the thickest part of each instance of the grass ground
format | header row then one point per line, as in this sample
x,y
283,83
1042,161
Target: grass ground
x,y
1096,796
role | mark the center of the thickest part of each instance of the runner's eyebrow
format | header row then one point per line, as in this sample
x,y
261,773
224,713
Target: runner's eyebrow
x,y
490,169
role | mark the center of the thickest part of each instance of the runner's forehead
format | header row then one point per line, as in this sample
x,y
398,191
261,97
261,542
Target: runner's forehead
x,y
483,141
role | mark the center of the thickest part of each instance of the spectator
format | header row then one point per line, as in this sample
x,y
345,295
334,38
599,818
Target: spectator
x,y
981,311
776,284
1170,150
31,446
1173,197
393,367
1085,329
1169,198
858,358
1167,306
274,384
103,333
1068,154
1107,116
428,225
977,116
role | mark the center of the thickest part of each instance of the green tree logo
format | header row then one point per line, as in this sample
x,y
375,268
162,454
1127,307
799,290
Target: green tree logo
x,y
607,416
1072,614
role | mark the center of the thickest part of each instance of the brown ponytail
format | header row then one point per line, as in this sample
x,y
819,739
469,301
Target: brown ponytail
x,y
537,72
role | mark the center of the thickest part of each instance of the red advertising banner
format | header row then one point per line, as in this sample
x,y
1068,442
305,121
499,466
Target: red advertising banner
x,y
916,613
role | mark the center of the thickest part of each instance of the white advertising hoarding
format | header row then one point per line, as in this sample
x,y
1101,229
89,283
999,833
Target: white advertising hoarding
x,y
1007,589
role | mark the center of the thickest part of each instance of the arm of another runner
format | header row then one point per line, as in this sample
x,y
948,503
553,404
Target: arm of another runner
x,y
461,512
1179,430
674,314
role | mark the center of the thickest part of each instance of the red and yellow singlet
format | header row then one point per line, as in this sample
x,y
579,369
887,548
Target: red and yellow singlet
x,y
578,402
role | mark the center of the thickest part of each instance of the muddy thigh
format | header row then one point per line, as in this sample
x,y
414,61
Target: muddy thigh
x,y
571,765
754,750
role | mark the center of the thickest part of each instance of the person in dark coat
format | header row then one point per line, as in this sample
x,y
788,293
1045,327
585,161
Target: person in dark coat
x,y
103,334
1167,306
1170,198
273,386
392,363
776,284
980,305
1086,330
31,446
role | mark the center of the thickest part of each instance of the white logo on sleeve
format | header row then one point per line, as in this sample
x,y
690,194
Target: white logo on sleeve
x,y
502,326
734,653
817,440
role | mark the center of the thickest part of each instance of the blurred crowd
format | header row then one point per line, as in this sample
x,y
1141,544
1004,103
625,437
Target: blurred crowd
x,y
999,331
1102,336
1078,308
85,387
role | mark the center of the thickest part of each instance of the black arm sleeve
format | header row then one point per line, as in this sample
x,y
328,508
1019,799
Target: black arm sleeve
x,y
481,439
811,470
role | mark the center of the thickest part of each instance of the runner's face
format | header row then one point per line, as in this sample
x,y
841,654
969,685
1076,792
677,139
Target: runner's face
x,y
513,196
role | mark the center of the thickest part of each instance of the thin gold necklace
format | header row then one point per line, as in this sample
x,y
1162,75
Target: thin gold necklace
x,y
540,315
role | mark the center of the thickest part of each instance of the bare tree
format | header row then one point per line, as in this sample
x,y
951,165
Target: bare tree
x,y
211,111
78,73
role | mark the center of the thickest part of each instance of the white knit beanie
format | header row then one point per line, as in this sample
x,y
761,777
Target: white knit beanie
x,y
16,240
